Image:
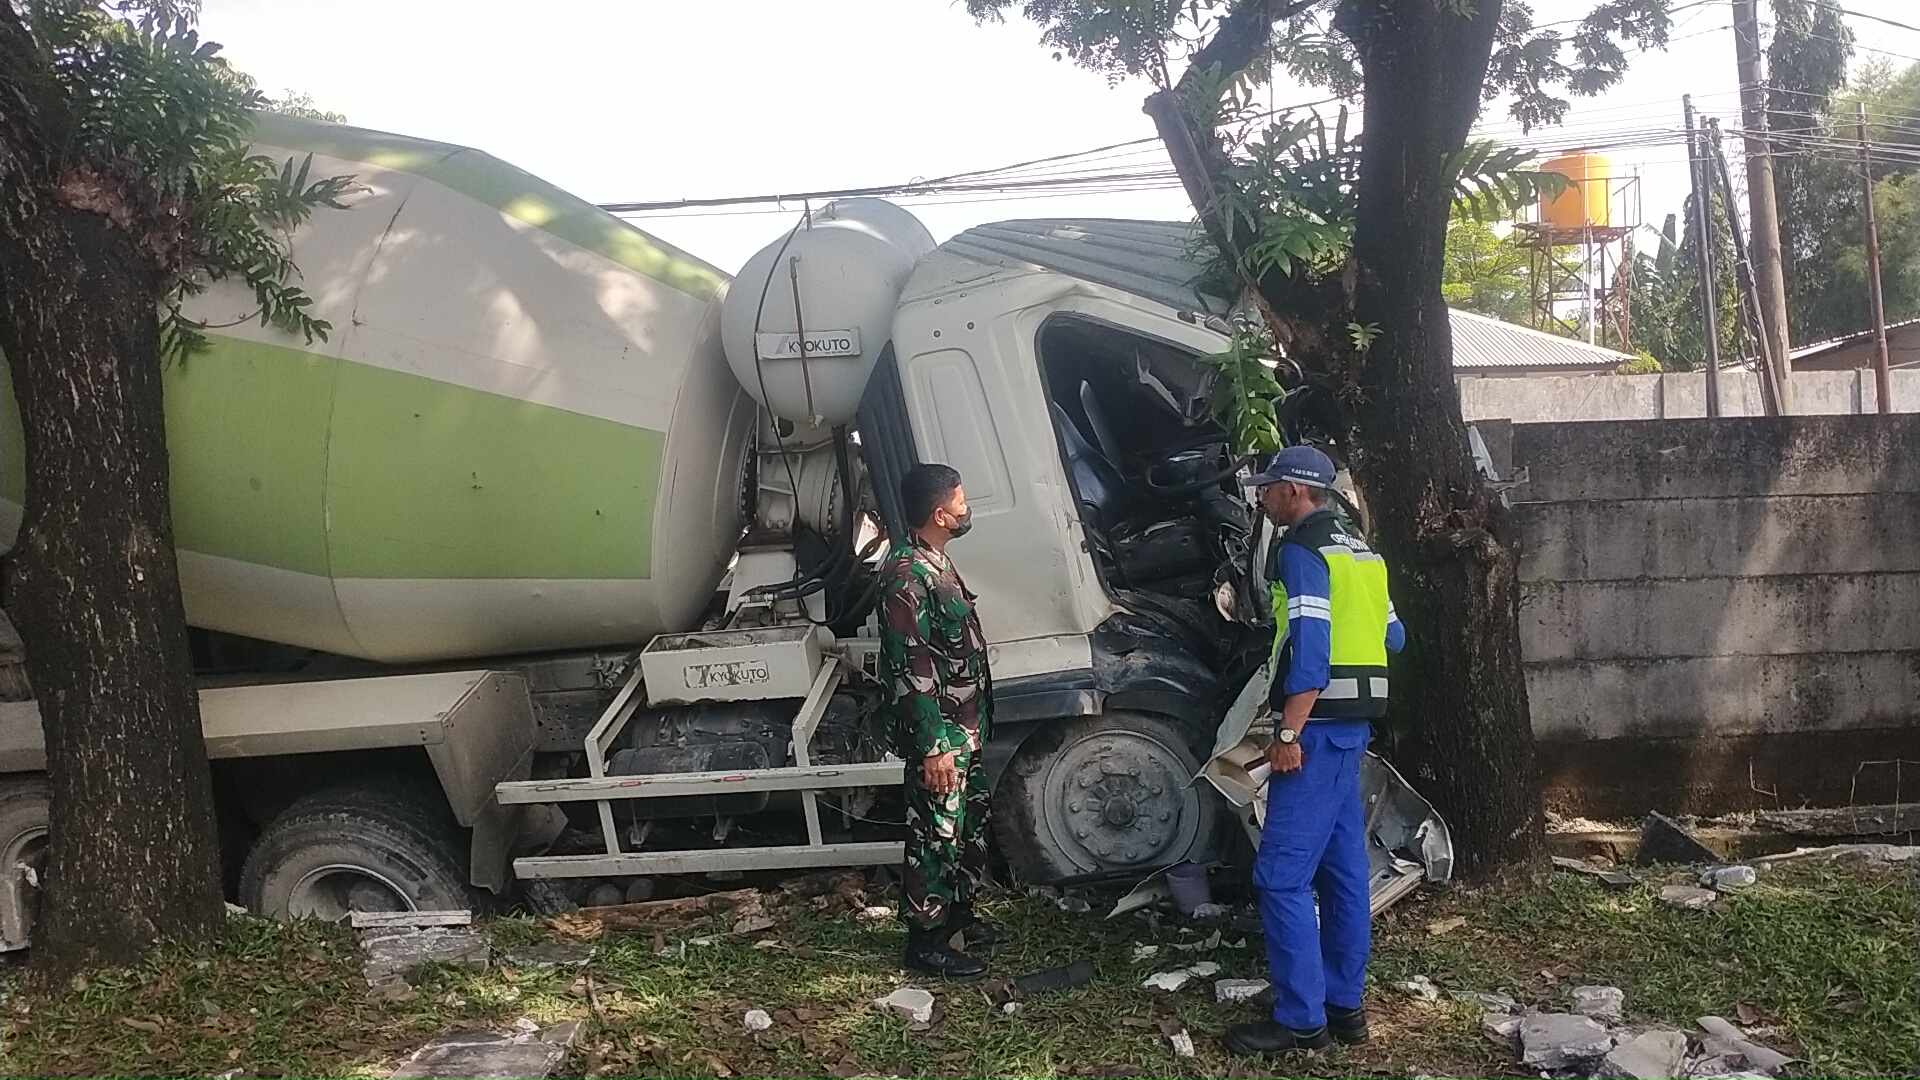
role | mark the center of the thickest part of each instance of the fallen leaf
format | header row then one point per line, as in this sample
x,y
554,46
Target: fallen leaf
x,y
718,1067
1446,926
141,1025
659,943
1557,973
1138,1022
233,1054
1748,1014
1851,1008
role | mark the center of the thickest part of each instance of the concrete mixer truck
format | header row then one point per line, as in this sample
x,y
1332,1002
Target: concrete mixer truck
x,y
552,570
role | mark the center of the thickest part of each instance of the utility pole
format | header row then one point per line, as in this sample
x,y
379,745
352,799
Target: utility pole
x,y
1762,211
1744,289
1703,237
1882,381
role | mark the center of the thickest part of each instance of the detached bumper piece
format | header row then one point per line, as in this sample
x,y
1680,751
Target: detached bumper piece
x,y
1407,842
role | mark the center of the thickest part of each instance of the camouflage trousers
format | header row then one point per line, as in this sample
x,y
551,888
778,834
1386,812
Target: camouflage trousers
x,y
947,852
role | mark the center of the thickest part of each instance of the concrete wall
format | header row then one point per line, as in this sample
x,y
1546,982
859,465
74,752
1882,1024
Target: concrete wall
x,y
1554,398
1722,615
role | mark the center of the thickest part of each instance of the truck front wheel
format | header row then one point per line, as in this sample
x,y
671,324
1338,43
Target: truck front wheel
x,y
1105,793
345,850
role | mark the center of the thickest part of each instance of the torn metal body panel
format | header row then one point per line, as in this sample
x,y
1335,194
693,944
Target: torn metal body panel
x,y
1407,842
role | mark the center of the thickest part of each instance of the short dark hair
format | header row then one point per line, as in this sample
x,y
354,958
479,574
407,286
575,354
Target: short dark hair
x,y
923,489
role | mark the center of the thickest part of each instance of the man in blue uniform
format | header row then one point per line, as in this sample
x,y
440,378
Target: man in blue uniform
x,y
1333,628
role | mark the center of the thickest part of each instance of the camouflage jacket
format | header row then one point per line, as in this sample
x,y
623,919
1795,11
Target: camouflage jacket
x,y
932,654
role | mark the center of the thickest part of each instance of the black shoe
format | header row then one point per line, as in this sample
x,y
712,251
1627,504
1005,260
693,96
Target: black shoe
x,y
977,933
1347,1025
927,951
1267,1037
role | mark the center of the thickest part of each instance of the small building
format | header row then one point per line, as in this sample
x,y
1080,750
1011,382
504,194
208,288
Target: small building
x,y
1489,348
1856,350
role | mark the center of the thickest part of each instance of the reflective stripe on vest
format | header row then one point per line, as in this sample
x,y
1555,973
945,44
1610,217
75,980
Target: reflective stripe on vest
x,y
1357,603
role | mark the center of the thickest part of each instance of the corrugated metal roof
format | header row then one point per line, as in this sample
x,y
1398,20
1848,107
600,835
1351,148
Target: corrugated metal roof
x,y
1154,259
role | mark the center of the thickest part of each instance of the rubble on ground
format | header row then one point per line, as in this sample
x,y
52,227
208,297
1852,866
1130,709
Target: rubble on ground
x,y
1227,991
526,1051
396,944
909,1002
1688,896
1604,1003
1664,840
1171,981
1555,1041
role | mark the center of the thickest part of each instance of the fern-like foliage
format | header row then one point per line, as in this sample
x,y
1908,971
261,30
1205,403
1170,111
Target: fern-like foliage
x,y
1494,181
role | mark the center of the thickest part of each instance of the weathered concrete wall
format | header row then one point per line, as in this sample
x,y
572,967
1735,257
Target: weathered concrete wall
x,y
1722,615
1538,399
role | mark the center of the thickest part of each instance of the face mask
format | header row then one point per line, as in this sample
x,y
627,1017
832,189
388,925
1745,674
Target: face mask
x,y
962,524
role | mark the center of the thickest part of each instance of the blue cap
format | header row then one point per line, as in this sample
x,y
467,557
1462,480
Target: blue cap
x,y
1295,464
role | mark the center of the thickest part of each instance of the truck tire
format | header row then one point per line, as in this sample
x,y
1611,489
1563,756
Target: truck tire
x,y
23,845
354,849
1105,794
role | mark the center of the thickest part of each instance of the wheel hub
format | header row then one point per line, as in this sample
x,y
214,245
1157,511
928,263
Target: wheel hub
x,y
1119,799
332,892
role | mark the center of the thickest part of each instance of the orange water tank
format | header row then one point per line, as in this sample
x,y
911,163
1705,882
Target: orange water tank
x,y
1588,202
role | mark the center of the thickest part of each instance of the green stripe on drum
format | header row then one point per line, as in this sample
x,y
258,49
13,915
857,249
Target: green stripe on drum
x,y
288,459
510,190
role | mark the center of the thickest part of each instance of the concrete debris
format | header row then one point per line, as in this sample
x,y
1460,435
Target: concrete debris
x,y
1719,1068
1211,912
1725,1040
1227,991
485,1055
1205,944
407,920
1419,987
1073,905
1503,1029
1144,953
1728,878
1182,1043
1884,819
1010,1007
392,957
1561,1041
1852,852
1687,896
1493,1003
1652,1055
1442,927
875,913
756,1020
1171,981
233,909
1605,1003
1614,880
910,1002
1663,840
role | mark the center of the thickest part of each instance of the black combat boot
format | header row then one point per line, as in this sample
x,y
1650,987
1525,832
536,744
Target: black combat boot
x,y
927,951
975,932
1347,1025
1268,1037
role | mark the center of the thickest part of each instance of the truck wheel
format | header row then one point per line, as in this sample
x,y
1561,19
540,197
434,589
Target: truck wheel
x,y
341,851
23,847
1105,793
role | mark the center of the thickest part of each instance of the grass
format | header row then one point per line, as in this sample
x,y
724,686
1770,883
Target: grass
x,y
1821,958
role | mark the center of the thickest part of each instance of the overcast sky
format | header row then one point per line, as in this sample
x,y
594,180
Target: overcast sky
x,y
644,100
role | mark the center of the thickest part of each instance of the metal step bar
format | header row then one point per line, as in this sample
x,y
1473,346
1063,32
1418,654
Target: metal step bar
x,y
802,776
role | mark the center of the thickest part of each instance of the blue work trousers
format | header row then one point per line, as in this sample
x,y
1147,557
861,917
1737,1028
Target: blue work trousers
x,y
1314,841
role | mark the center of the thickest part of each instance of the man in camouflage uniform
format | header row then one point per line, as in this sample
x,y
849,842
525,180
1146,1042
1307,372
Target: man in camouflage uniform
x,y
934,660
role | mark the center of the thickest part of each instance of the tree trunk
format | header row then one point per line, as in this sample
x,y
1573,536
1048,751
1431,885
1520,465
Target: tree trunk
x,y
1460,706
132,852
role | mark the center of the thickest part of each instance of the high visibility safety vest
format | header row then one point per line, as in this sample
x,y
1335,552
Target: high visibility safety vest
x,y
1358,611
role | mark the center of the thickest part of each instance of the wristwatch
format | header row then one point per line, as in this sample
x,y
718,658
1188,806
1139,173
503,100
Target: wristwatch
x,y
1285,735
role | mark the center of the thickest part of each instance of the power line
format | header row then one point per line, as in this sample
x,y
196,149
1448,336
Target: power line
x,y
1880,19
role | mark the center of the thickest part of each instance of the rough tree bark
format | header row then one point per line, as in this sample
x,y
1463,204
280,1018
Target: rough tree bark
x,y
1460,702
132,850
1460,722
